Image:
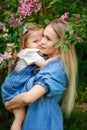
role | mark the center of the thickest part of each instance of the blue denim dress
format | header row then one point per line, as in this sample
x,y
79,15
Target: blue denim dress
x,y
15,82
45,113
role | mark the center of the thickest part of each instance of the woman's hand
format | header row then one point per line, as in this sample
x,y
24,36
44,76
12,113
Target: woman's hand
x,y
26,98
16,102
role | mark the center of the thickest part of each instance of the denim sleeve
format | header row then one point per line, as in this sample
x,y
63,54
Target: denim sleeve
x,y
53,78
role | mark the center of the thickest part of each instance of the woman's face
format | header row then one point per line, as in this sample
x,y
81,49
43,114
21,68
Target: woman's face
x,y
47,45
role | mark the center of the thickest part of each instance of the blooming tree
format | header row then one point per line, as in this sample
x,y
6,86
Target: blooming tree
x,y
27,7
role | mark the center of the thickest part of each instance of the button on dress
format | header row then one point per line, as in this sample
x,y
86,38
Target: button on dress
x,y
45,113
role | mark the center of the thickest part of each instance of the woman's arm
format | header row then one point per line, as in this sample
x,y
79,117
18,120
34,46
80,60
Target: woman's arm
x,y
26,98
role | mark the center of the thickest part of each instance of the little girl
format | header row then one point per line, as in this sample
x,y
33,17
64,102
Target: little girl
x,y
28,60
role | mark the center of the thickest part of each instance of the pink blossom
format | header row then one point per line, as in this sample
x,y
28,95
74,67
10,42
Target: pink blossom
x,y
37,7
5,59
36,0
31,3
1,59
6,56
65,16
1,25
15,21
27,7
23,4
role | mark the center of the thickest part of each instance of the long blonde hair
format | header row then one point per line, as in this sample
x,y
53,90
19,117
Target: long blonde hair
x,y
70,65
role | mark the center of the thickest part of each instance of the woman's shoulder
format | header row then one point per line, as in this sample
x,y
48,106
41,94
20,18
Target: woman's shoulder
x,y
54,68
52,75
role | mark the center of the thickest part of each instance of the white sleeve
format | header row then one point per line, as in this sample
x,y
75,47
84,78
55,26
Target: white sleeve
x,y
30,57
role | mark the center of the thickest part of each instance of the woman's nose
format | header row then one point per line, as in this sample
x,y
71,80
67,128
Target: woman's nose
x,y
43,41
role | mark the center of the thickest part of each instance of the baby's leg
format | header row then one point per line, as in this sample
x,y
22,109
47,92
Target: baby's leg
x,y
19,115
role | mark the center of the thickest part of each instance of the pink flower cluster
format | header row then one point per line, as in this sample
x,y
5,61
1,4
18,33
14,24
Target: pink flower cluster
x,y
4,58
14,21
65,16
1,26
27,8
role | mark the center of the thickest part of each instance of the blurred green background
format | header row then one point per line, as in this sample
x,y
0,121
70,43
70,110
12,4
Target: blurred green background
x,y
50,9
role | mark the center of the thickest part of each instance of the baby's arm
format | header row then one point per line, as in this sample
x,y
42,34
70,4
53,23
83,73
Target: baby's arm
x,y
43,62
13,54
10,67
14,57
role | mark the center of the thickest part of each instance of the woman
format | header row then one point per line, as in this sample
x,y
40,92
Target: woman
x,y
49,84
28,58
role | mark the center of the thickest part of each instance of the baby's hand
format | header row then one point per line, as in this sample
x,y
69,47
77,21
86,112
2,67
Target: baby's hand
x,y
10,51
9,48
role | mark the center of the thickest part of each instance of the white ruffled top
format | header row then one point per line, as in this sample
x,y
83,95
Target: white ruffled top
x,y
27,57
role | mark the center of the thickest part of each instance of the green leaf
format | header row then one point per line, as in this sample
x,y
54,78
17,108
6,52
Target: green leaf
x,y
67,34
53,2
71,32
15,47
58,44
66,47
46,21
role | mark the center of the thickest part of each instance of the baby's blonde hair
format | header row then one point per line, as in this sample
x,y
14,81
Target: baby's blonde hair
x,y
70,65
25,35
